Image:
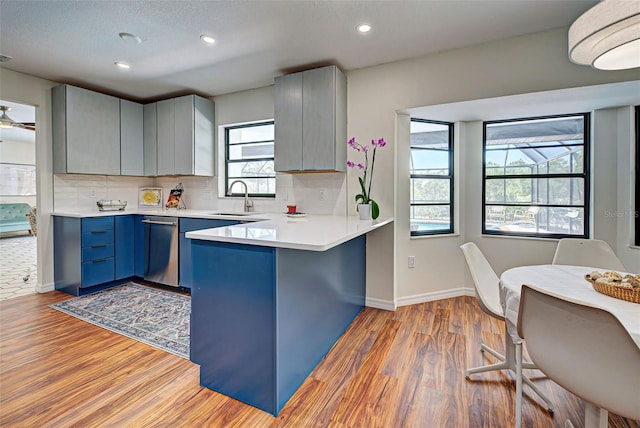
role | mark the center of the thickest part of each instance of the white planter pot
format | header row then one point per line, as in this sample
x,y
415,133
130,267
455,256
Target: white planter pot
x,y
364,210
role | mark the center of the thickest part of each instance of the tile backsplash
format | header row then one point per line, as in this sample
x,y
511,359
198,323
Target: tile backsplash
x,y
323,193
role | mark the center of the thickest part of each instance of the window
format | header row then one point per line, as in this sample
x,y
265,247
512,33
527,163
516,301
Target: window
x,y
536,177
249,157
431,177
637,198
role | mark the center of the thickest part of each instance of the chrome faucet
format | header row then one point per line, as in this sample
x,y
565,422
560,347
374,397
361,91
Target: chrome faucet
x,y
248,203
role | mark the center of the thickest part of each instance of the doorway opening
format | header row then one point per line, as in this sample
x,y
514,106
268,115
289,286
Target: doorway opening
x,y
18,210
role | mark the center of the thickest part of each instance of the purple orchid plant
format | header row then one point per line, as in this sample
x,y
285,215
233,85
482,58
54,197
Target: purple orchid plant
x,y
364,197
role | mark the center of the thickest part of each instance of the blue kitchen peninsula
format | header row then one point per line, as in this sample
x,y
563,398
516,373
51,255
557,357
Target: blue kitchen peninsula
x,y
269,299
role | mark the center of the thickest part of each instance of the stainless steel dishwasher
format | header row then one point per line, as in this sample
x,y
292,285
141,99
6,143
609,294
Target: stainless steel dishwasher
x,y
161,250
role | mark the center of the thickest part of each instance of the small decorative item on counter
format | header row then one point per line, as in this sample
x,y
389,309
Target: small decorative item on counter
x,y
291,209
111,205
150,197
175,198
367,207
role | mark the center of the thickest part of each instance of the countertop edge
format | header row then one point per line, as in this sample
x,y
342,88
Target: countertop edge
x,y
215,235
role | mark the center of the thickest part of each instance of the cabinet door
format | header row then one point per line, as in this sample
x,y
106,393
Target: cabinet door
x,y
150,140
125,262
187,225
131,139
288,122
138,246
166,136
183,135
93,132
203,137
318,119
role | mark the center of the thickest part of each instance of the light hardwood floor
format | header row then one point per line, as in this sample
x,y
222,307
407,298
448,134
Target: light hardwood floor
x,y
402,369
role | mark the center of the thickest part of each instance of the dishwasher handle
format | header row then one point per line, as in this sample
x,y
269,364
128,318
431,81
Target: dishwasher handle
x,y
164,223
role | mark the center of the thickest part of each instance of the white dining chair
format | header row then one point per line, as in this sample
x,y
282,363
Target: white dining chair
x,y
584,349
487,288
587,252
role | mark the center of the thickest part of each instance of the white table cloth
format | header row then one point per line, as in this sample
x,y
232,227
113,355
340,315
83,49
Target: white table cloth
x,y
563,281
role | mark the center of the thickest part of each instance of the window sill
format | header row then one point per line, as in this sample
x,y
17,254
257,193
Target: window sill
x,y
439,235
526,238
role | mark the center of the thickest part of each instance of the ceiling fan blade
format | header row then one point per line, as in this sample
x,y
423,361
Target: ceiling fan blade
x,y
29,125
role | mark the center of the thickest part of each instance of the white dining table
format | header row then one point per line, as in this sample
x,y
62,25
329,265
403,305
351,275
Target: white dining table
x,y
565,282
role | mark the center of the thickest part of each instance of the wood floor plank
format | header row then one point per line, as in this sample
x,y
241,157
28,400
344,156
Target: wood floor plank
x,y
390,369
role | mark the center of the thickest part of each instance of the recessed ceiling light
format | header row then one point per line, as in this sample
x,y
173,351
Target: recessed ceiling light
x,y
207,39
131,38
364,28
122,65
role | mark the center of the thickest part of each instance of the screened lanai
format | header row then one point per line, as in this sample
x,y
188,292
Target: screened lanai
x,y
536,176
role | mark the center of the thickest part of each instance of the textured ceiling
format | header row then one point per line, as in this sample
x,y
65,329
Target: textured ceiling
x,y
77,41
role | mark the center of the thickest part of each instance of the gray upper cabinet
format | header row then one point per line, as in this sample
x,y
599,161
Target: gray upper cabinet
x,y
131,138
86,131
184,136
150,139
311,121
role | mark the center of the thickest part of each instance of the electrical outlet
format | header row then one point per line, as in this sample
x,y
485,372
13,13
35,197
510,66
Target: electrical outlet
x,y
322,194
412,261
92,193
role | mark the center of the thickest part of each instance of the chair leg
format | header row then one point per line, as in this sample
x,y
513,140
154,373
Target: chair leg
x,y
493,352
519,377
491,367
540,393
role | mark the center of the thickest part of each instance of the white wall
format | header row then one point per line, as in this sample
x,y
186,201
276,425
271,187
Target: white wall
x,y
520,65
25,89
18,152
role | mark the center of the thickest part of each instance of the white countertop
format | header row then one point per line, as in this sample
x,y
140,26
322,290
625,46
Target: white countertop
x,y
314,232
208,214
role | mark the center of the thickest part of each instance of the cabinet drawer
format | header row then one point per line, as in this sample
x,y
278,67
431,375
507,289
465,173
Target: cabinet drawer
x,y
97,237
98,272
95,252
92,224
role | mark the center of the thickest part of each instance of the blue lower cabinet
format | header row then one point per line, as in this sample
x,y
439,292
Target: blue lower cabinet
x,y
124,246
92,252
138,246
97,272
262,318
188,225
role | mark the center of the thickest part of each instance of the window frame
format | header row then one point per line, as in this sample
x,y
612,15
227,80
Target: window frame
x,y
449,176
227,161
636,213
585,175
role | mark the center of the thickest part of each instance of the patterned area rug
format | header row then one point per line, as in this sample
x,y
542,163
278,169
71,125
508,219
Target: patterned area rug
x,y
156,317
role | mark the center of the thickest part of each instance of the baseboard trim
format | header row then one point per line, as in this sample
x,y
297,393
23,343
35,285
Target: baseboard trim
x,y
44,288
380,304
436,295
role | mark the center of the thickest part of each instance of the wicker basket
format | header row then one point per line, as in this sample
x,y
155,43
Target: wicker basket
x,y
615,291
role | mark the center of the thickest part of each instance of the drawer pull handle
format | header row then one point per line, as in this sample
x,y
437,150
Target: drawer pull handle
x,y
101,260
99,231
98,246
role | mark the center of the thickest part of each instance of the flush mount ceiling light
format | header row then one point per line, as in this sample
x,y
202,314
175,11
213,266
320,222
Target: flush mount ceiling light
x,y
130,38
207,39
607,36
363,28
122,65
